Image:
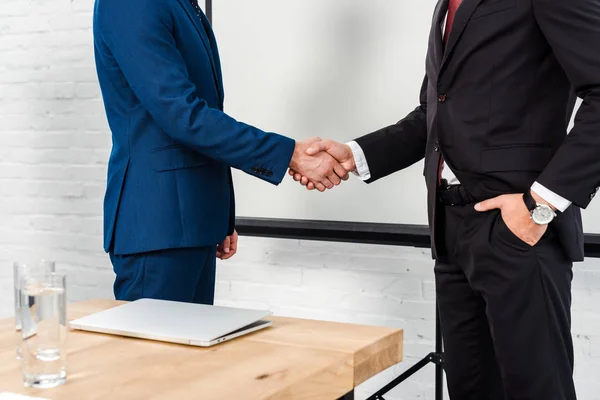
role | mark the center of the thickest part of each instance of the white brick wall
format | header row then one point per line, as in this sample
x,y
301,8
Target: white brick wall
x,y
52,176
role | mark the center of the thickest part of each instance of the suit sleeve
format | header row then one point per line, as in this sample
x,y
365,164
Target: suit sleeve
x,y
139,35
397,146
572,28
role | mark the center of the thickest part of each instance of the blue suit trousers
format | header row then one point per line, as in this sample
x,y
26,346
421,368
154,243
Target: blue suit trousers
x,y
185,274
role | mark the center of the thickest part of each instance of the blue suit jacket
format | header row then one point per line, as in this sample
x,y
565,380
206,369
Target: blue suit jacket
x,y
169,178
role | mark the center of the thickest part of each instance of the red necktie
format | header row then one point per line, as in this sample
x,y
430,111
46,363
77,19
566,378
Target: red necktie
x,y
452,7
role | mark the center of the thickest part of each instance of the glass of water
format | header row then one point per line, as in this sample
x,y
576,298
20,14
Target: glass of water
x,y
44,329
20,269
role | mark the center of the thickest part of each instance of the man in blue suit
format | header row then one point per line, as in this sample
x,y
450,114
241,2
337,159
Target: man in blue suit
x,y
169,205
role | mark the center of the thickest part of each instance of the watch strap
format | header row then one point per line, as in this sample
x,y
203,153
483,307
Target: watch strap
x,y
530,202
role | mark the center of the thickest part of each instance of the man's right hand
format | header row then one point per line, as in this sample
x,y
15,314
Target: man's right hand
x,y
341,152
317,166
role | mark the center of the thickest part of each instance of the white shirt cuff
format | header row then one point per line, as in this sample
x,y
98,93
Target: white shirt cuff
x,y
560,203
362,168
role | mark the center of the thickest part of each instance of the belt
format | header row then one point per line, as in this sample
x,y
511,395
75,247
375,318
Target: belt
x,y
454,195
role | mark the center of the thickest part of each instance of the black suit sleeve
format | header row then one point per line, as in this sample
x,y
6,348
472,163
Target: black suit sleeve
x,y
397,146
572,29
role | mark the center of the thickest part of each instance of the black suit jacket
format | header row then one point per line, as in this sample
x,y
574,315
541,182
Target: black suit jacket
x,y
496,103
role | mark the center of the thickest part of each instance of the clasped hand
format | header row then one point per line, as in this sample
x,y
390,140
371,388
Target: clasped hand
x,y
321,164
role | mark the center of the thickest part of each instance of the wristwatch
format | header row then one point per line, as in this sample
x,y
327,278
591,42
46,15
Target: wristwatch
x,y
541,214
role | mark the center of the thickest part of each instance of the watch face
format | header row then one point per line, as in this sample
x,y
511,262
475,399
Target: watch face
x,y
542,214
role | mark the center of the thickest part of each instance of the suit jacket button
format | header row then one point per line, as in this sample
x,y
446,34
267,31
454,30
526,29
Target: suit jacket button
x,y
442,98
436,148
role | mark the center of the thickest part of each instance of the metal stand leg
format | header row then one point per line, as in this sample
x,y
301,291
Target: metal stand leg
x,y
208,6
435,357
439,366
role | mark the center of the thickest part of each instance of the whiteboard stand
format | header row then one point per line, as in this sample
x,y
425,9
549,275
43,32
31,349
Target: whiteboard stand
x,y
436,357
208,10
395,234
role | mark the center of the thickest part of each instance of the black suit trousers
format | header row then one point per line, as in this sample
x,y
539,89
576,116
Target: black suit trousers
x,y
505,310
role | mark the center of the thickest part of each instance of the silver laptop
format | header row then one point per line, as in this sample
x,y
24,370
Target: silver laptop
x,y
175,322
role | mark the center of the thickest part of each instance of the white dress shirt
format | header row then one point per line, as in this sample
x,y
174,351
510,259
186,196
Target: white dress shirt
x,y
362,171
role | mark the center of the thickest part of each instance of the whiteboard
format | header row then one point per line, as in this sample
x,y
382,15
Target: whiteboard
x,y
336,69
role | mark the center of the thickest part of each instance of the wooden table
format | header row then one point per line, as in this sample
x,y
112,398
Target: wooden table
x,y
294,359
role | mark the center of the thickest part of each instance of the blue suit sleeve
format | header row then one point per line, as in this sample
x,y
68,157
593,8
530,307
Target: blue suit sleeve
x,y
139,35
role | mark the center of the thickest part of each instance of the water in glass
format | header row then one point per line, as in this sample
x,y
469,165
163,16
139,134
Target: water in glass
x,y
21,269
44,329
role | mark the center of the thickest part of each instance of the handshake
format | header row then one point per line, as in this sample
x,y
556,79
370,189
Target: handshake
x,y
321,164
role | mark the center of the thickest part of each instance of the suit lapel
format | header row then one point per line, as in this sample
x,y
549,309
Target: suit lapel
x,y
215,53
436,45
462,17
203,35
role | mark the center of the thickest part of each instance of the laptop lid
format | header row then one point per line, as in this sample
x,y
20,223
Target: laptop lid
x,y
170,321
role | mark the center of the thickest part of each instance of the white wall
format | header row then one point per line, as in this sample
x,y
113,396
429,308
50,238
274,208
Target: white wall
x,y
55,143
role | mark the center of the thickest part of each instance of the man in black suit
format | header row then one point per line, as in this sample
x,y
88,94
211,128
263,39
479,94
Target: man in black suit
x,y
505,183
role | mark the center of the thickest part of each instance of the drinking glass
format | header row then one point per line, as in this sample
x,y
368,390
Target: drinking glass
x,y
20,269
44,329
